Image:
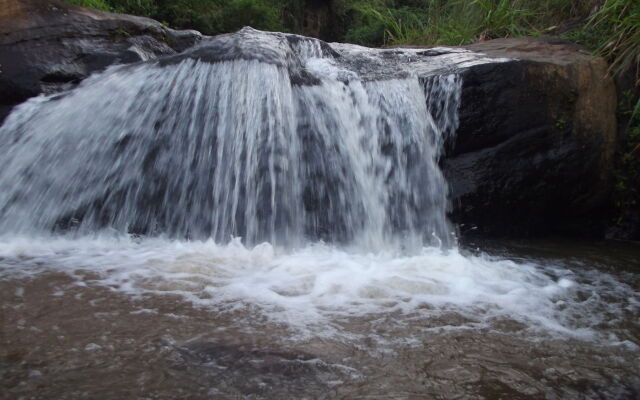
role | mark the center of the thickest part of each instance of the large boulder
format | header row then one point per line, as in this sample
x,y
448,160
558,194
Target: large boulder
x,y
47,45
534,150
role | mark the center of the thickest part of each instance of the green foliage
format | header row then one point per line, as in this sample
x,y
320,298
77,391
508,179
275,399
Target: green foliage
x,y
614,32
627,173
619,22
137,7
561,124
378,25
613,29
257,14
98,4
208,16
453,22
219,16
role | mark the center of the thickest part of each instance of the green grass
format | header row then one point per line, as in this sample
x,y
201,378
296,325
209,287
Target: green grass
x,y
455,22
97,4
619,22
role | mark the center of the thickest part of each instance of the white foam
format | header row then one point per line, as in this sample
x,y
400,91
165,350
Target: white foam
x,y
311,288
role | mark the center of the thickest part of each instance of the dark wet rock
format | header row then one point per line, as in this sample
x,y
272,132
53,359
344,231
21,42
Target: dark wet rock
x,y
47,46
534,150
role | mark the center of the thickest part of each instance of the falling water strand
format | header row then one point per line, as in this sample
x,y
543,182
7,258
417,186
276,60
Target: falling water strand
x,y
226,149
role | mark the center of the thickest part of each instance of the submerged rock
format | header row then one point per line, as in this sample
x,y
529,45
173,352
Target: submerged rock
x,y
532,152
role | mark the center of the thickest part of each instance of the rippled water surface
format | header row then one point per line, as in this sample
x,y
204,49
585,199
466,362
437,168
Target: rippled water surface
x,y
116,318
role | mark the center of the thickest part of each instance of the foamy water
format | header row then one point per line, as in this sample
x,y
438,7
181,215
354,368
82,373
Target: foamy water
x,y
315,289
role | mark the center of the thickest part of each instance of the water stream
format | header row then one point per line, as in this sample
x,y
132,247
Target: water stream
x,y
206,216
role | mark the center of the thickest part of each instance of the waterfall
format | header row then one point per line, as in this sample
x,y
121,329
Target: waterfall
x,y
278,181
295,146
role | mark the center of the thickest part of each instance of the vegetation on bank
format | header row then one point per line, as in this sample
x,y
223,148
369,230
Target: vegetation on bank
x,y
610,28
594,23
626,196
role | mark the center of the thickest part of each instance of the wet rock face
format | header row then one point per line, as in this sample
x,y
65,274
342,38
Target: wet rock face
x,y
533,152
47,46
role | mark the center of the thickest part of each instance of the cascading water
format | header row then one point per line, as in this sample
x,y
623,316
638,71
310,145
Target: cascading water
x,y
233,148
239,159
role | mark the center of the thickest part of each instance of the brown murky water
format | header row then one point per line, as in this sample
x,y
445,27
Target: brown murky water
x,y
70,338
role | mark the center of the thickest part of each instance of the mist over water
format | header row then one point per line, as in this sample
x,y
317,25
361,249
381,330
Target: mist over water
x,y
310,194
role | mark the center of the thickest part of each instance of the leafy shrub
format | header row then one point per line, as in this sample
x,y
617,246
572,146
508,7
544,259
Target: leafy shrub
x,y
98,4
136,7
258,14
208,16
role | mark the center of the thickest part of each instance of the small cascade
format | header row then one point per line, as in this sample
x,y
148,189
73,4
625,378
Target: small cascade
x,y
294,144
